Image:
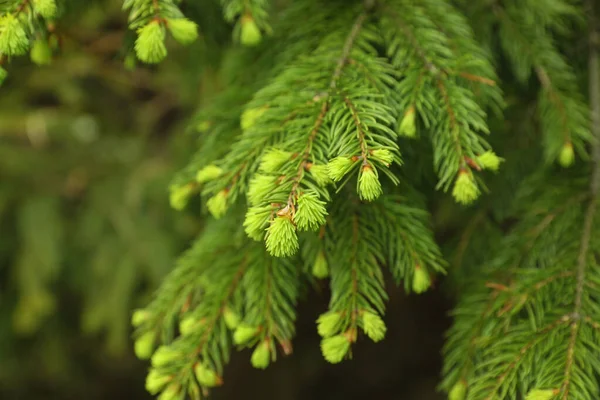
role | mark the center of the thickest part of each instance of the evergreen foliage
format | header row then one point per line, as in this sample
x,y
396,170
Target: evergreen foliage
x,y
340,127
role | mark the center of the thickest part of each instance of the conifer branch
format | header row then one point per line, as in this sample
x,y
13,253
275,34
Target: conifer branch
x,y
590,213
562,111
539,336
342,61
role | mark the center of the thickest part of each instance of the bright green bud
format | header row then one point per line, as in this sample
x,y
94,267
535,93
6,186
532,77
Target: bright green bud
x,y
320,268
139,317
311,212
458,391
46,8
183,30
257,221
188,325
250,35
465,189
179,195
3,75
170,393
273,160
206,376
261,356
150,44
320,174
383,155
260,187
40,52
489,160
164,355
408,126
144,345
281,238
244,333
539,394
250,116
327,324
335,348
13,38
232,319
369,187
155,381
217,205
566,157
421,280
373,326
208,173
338,167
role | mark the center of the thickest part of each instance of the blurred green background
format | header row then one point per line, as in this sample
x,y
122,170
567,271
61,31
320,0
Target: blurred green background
x,y
88,146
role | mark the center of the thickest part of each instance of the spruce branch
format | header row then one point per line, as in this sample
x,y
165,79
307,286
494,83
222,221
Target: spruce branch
x,y
151,19
325,99
562,112
453,112
590,213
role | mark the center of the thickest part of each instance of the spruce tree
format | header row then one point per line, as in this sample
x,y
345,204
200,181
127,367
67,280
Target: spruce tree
x,y
355,138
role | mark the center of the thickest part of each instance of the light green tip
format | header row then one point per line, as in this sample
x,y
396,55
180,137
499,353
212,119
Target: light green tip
x,y
172,392
335,348
232,319
339,167
40,52
369,187
155,381
320,267
542,394
183,30
327,324
373,326
217,205
244,333
408,126
281,238
458,391
261,356
273,160
179,195
250,116
250,33
208,173
383,155
150,43
566,157
164,355
144,346
46,8
260,187
319,174
421,280
257,221
465,188
206,376
13,38
311,212
489,160
139,317
188,325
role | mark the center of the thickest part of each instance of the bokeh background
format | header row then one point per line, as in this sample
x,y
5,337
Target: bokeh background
x,y
88,146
